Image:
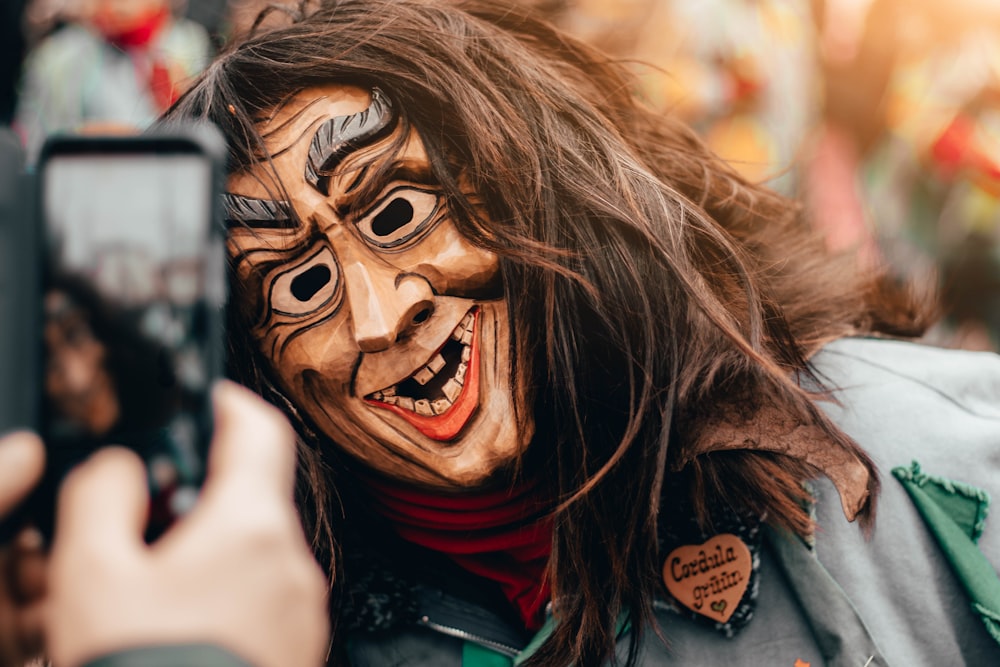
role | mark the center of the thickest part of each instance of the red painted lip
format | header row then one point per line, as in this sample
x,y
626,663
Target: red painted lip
x,y
445,427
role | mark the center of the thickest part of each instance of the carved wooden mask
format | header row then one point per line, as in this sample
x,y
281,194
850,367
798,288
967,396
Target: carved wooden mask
x,y
381,322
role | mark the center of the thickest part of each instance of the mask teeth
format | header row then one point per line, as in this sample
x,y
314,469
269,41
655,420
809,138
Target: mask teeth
x,y
430,407
463,332
452,388
387,395
427,373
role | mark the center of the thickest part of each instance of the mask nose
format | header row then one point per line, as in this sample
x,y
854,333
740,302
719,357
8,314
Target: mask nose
x,y
385,304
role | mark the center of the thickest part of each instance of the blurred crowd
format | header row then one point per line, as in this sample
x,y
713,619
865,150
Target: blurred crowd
x,y
883,116
105,64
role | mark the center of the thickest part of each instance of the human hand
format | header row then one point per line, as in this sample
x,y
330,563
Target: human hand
x,y
22,563
235,572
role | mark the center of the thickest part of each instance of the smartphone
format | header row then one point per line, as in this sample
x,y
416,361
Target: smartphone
x,y
131,305
18,296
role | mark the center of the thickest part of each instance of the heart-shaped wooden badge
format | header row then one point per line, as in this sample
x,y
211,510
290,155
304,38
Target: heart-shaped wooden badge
x,y
709,578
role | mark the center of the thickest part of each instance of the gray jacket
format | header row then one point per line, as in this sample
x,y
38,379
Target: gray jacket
x,y
853,602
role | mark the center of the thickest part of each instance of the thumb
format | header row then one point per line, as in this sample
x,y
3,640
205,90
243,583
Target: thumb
x,y
253,443
103,503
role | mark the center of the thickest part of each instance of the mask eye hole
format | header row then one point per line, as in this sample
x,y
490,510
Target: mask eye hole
x,y
306,287
397,214
400,217
310,282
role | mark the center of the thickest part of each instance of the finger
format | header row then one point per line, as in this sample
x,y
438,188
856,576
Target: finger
x,y
30,630
103,503
22,460
253,443
22,633
28,567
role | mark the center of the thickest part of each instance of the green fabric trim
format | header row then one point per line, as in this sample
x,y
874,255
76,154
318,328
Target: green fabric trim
x,y
967,505
474,655
936,499
993,622
547,629
536,641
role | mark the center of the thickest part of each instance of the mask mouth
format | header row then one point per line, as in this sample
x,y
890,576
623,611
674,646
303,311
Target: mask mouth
x,y
439,398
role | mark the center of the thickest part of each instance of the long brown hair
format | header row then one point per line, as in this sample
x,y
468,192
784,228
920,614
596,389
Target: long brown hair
x,y
651,288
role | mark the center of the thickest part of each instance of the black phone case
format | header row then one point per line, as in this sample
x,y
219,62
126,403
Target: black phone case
x,y
22,347
18,289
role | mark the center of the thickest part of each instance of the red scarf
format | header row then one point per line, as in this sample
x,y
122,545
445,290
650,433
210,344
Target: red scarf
x,y
140,35
503,535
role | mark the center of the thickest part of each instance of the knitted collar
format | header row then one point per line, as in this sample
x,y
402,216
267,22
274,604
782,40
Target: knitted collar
x,y
504,536
381,594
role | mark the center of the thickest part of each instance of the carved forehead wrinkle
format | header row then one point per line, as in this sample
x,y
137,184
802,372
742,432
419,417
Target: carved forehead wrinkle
x,y
272,131
289,132
287,128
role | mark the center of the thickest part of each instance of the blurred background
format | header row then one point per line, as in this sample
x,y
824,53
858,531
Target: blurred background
x,y
882,116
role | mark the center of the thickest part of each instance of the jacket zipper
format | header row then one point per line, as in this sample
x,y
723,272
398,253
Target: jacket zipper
x,y
458,633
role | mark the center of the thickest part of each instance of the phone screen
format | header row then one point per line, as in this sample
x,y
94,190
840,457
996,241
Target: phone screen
x,y
132,295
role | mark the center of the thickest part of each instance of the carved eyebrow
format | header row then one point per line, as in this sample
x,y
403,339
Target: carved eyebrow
x,y
257,213
340,136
